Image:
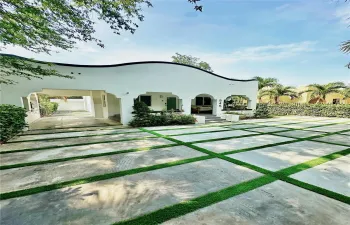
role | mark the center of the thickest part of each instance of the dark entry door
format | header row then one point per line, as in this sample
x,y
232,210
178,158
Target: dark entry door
x,y
171,103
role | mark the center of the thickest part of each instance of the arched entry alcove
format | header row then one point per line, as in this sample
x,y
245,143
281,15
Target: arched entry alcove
x,y
203,104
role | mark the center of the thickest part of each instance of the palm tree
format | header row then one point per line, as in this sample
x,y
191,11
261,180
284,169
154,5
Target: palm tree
x,y
345,92
345,47
265,82
279,90
320,91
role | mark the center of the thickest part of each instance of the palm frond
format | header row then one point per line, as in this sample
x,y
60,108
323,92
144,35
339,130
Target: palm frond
x,y
345,47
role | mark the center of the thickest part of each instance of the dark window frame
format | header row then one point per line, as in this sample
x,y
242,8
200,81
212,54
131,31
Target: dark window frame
x,y
205,101
147,99
199,101
336,101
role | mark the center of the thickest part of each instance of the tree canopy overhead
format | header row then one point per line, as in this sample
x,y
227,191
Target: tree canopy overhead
x,y
192,61
47,25
40,25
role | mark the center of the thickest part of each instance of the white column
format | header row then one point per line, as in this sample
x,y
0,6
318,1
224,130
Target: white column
x,y
186,106
126,104
218,105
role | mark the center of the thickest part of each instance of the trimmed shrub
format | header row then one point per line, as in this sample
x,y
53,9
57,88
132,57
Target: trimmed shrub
x,y
12,121
47,107
262,111
305,109
144,118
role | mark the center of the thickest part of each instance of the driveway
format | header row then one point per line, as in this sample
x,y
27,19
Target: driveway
x,y
68,119
284,170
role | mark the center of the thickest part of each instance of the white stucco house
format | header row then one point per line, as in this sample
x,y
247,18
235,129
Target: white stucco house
x,y
112,89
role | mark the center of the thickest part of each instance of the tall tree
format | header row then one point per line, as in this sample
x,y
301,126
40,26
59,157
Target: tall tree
x,y
192,61
321,91
278,90
345,92
44,25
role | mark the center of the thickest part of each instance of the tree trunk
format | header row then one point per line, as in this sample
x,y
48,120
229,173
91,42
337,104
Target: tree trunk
x,y
276,100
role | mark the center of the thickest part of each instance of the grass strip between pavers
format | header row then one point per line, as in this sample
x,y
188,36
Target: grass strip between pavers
x,y
35,190
5,167
282,174
26,133
88,135
73,145
192,205
93,126
312,163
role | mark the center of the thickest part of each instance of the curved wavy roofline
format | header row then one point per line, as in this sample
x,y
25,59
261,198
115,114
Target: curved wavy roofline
x,y
127,64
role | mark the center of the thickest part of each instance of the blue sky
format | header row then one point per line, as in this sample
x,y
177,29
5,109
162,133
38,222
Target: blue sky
x,y
294,41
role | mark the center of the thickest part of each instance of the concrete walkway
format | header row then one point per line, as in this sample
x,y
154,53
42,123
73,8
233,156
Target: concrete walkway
x,y
66,119
108,174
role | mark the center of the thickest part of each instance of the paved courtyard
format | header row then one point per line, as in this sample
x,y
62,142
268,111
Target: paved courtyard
x,y
284,170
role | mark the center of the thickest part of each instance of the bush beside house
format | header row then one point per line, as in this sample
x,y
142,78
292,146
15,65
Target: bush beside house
x,y
47,107
144,117
261,111
12,121
305,109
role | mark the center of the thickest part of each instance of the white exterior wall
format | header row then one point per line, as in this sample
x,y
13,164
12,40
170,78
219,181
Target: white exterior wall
x,y
128,81
113,105
159,100
70,104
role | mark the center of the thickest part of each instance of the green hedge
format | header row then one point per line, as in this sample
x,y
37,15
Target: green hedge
x,y
144,117
305,109
12,121
47,107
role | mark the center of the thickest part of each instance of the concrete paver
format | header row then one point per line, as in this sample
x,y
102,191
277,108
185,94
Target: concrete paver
x,y
331,128
275,203
194,130
283,156
71,134
65,152
122,198
267,129
206,136
303,125
62,130
71,141
333,175
241,143
300,133
34,176
117,199
244,126
336,138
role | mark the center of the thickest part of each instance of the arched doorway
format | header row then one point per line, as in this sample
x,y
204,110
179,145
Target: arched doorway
x,y
203,104
236,102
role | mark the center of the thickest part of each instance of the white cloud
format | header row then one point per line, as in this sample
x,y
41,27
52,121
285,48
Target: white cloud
x,y
282,7
343,14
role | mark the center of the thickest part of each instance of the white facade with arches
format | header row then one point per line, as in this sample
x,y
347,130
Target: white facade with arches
x,y
114,88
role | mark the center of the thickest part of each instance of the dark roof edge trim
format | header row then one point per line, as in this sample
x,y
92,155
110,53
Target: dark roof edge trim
x,y
126,64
